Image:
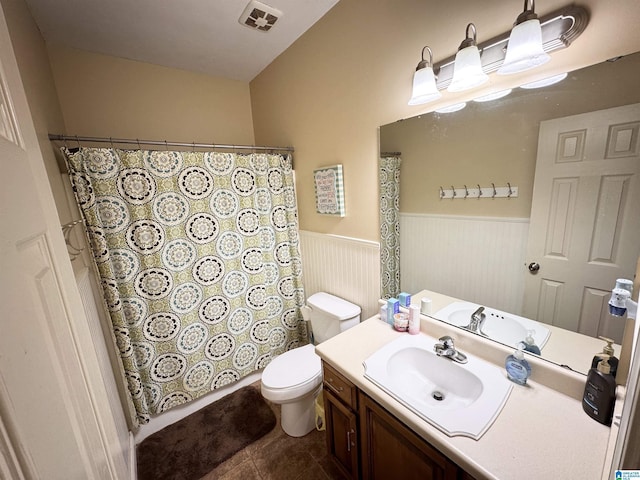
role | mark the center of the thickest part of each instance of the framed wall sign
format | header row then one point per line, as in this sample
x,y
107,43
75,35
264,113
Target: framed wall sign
x,y
329,189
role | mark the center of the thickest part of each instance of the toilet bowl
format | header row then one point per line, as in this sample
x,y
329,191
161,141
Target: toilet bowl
x,y
294,379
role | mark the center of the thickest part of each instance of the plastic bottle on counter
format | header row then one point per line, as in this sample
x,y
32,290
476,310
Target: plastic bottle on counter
x,y
414,319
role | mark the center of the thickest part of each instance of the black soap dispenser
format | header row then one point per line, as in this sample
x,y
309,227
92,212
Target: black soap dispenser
x,y
607,350
600,392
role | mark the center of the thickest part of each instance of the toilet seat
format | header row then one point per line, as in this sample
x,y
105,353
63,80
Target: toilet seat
x,y
292,375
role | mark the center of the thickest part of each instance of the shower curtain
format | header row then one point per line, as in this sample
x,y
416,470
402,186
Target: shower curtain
x,y
198,255
389,174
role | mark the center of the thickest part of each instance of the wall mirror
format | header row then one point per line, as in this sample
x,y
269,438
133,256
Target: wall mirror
x,y
479,249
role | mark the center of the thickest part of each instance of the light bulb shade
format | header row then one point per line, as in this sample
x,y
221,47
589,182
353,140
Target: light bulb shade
x,y
467,70
524,50
424,87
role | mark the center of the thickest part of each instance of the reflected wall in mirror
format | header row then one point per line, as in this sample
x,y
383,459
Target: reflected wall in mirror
x,y
476,249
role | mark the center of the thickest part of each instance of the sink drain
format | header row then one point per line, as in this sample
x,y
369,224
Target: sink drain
x,y
439,396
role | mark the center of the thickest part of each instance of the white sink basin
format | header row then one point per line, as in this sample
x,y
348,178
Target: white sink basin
x,y
459,399
498,325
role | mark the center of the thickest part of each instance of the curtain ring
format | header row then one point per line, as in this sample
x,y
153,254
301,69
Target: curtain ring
x,y
111,142
193,146
166,146
139,146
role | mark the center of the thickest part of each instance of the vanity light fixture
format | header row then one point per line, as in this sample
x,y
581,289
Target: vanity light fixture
x,y
545,82
493,96
525,50
559,29
451,108
467,69
424,82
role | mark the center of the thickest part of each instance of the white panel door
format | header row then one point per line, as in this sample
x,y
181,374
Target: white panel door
x,y
585,219
52,411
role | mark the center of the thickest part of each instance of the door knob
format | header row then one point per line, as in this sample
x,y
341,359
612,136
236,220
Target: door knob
x,y
534,267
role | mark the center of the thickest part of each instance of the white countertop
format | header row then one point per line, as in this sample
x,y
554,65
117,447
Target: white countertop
x,y
540,433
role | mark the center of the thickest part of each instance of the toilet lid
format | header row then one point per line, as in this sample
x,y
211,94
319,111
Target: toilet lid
x,y
292,368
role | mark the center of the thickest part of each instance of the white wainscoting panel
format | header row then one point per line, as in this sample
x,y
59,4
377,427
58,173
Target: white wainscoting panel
x,y
478,259
345,267
86,289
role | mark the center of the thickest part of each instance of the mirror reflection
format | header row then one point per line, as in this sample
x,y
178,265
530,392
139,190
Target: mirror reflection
x,y
551,252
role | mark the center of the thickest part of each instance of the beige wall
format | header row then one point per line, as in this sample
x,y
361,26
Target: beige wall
x,y
106,96
33,62
351,72
497,141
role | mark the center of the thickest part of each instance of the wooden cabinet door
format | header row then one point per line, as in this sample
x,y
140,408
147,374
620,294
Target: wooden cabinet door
x,y
391,450
342,435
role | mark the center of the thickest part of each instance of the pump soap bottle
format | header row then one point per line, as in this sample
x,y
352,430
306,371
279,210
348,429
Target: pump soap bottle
x,y
600,392
607,350
518,369
529,344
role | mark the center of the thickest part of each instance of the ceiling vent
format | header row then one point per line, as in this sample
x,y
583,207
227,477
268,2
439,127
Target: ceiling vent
x,y
259,16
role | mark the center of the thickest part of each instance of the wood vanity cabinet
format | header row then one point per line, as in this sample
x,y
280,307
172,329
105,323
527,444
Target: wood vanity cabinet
x,y
365,441
341,420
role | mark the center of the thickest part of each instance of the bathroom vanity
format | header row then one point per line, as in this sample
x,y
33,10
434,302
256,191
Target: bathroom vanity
x,y
366,441
541,432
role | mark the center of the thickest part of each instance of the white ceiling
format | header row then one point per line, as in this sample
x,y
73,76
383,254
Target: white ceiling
x,y
198,35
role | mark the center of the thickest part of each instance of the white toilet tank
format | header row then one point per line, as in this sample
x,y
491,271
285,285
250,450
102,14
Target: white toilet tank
x,y
331,315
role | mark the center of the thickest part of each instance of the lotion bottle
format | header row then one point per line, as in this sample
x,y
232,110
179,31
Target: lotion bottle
x,y
600,392
518,369
414,320
607,350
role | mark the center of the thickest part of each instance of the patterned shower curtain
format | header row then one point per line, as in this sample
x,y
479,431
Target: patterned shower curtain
x,y
389,175
198,254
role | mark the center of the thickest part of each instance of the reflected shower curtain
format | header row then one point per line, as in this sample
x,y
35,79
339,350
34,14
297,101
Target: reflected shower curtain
x,y
198,255
389,175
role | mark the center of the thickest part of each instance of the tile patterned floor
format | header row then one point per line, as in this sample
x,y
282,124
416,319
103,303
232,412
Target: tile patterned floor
x,y
277,456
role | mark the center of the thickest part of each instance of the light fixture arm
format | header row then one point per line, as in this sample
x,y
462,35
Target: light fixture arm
x,y
424,63
469,41
527,13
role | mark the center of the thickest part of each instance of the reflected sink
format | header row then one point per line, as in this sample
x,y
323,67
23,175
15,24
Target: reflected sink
x,y
458,399
498,325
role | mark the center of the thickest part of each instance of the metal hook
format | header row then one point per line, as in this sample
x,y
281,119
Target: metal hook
x,y
479,191
466,192
494,190
166,146
139,146
510,191
111,142
454,192
441,192
193,146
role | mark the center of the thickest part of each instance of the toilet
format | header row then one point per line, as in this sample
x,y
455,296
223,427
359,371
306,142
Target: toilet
x,y
294,379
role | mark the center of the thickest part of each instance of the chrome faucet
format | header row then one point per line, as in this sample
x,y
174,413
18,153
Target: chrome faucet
x,y
477,321
447,349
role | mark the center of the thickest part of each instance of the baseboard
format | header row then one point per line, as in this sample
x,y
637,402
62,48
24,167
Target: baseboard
x,y
133,464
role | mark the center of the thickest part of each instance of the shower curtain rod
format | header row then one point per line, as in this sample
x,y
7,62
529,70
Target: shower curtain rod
x,y
136,141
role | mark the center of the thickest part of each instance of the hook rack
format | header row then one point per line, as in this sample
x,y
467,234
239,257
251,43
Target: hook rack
x,y
491,191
